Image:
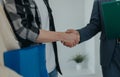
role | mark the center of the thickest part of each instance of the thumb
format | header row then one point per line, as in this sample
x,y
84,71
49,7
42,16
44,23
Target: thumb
x,y
70,31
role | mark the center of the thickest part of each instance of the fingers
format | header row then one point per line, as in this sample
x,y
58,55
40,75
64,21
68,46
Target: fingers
x,y
70,44
73,38
72,31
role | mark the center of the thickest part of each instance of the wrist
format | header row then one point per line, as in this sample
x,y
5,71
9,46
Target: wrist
x,y
61,36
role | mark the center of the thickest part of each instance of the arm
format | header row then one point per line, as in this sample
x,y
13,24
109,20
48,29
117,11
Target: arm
x,y
18,18
19,21
51,36
91,29
94,26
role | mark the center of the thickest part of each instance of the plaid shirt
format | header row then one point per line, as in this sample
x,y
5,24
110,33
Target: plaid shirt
x,y
24,18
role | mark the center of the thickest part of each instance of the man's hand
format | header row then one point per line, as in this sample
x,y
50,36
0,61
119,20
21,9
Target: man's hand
x,y
76,38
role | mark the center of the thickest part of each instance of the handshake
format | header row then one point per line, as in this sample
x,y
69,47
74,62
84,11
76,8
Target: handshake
x,y
71,38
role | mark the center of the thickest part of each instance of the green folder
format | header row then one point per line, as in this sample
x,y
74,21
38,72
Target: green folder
x,y
111,18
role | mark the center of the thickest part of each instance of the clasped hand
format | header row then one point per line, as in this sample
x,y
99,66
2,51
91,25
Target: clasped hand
x,y
72,38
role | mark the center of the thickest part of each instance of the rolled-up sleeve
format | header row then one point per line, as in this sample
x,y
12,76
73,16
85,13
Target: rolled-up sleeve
x,y
23,28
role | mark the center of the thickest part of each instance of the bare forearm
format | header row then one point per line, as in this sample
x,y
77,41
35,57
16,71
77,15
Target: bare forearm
x,y
50,36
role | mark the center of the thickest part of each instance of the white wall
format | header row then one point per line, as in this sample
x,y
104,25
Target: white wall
x,y
67,14
90,44
76,14
94,42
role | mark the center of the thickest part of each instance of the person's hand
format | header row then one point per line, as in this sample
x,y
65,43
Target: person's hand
x,y
72,34
69,39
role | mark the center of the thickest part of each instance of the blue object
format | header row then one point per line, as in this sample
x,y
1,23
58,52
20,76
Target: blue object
x,y
28,62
